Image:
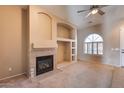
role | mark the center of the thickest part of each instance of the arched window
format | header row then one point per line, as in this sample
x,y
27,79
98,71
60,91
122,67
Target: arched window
x,y
93,44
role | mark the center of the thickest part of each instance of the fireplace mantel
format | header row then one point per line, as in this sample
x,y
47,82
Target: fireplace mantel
x,y
44,44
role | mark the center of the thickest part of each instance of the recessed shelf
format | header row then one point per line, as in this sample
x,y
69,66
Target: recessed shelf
x,y
73,51
65,40
73,47
73,44
63,52
65,31
73,58
73,54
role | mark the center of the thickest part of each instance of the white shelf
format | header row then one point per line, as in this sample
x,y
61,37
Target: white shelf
x,y
73,54
65,40
73,47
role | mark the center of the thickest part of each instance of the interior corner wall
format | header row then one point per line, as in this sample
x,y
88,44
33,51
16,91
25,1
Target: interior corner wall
x,y
82,34
12,41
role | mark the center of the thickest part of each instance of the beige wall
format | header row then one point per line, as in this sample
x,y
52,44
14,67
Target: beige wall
x,y
81,35
12,41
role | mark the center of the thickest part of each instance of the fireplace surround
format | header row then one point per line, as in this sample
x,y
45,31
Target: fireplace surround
x,y
44,64
37,54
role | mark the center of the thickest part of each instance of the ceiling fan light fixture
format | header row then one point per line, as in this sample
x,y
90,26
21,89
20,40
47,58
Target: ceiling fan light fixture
x,y
94,11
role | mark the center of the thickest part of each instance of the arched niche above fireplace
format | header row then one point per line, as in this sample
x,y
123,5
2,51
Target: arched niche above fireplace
x,y
41,28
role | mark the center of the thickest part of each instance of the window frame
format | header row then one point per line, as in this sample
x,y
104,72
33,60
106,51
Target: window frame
x,y
86,50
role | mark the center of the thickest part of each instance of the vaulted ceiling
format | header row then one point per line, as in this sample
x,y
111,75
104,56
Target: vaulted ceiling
x,y
69,12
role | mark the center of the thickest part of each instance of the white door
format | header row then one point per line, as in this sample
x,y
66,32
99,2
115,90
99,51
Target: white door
x,y
122,46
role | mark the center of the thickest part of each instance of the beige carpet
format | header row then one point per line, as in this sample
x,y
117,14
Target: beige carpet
x,y
77,75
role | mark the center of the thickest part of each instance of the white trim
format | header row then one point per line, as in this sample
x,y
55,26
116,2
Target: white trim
x,y
120,47
12,76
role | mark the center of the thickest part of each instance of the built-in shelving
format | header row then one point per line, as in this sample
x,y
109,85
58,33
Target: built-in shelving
x,y
66,40
73,51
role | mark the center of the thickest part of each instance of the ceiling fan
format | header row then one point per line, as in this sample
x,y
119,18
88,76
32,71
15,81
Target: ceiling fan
x,y
94,9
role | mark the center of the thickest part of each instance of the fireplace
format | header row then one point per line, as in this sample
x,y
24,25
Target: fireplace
x,y
44,64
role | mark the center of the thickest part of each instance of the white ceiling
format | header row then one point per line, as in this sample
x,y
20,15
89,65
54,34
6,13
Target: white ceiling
x,y
69,12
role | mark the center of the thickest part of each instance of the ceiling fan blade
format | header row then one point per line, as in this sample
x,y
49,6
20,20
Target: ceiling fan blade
x,y
88,14
101,12
81,11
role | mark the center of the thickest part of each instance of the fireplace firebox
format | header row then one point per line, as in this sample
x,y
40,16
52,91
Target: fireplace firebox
x,y
44,64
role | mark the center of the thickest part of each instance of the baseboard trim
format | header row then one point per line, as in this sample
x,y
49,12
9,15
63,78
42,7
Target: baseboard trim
x,y
113,65
84,60
12,76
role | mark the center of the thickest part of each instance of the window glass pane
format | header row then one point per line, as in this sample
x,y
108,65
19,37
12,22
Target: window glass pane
x,y
100,48
85,48
99,39
88,39
94,48
89,49
89,52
